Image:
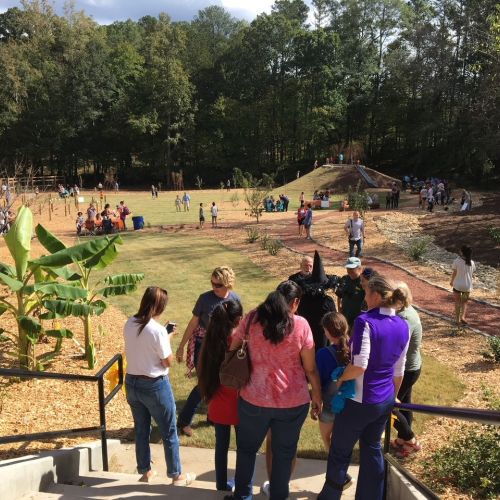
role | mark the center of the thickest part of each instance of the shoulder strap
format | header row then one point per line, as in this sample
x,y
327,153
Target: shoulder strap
x,y
251,317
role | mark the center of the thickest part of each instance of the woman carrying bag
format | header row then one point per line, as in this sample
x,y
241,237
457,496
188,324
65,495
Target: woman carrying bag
x,y
281,350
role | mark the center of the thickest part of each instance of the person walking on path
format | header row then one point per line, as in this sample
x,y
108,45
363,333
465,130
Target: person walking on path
x,y
301,215
178,203
222,401
277,396
350,293
461,282
406,442
308,221
222,280
186,200
201,216
378,351
149,393
214,210
355,231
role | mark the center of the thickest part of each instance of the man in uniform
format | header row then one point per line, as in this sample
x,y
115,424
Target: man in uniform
x,y
350,293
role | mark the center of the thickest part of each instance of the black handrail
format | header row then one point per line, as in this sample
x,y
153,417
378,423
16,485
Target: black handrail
x,y
487,417
103,401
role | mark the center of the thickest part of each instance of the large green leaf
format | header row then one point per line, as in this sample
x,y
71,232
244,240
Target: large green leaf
x,y
12,283
65,273
120,284
8,270
105,257
61,291
18,240
78,253
64,308
48,240
62,333
31,326
3,308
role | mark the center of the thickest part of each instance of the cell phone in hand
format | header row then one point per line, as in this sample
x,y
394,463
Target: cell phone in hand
x,y
170,326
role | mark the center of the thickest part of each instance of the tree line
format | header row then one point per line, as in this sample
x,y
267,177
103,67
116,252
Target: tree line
x,y
410,84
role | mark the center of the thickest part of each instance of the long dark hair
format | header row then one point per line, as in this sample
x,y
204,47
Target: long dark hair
x,y
223,320
274,313
336,325
467,254
153,303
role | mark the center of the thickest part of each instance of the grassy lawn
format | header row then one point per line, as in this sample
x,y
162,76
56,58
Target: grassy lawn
x,y
182,264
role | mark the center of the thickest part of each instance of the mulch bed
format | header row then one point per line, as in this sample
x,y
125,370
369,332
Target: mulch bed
x,y
453,230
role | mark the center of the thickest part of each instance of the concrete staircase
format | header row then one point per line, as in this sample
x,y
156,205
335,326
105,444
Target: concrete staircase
x,y
76,473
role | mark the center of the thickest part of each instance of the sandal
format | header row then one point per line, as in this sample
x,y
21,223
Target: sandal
x,y
148,476
188,478
413,447
186,431
396,444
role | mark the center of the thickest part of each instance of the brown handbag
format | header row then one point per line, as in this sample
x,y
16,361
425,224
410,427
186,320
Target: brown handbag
x,y
236,369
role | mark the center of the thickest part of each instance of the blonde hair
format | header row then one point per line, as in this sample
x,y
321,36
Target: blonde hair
x,y
225,275
405,289
392,295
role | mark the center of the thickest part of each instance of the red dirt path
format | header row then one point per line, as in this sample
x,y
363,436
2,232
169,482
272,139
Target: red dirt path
x,y
432,298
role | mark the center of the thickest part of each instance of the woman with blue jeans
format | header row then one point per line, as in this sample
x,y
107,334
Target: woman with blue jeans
x,y
378,351
149,394
277,396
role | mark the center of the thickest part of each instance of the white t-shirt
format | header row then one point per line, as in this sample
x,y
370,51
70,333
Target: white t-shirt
x,y
463,279
355,228
214,210
423,193
145,351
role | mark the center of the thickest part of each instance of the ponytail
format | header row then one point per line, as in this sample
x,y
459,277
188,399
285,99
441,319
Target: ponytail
x,y
467,254
336,325
224,318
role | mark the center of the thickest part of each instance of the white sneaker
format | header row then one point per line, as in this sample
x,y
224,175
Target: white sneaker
x,y
265,489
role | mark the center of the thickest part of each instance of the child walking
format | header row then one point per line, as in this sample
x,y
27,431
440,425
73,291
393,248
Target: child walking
x,y
328,358
222,401
202,216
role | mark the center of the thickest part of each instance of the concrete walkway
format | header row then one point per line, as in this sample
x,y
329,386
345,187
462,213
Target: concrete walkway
x,y
307,480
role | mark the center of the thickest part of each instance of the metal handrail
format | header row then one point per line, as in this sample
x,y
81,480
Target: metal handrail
x,y
103,401
487,417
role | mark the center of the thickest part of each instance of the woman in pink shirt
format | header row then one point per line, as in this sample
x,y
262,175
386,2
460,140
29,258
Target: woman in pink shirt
x,y
277,397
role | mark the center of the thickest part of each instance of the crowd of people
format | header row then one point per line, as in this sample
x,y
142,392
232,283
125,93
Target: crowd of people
x,y
106,221
343,362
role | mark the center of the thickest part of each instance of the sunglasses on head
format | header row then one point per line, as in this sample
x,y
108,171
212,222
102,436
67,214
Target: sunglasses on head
x,y
217,285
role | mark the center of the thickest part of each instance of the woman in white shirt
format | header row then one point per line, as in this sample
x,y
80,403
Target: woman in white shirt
x,y
149,394
461,281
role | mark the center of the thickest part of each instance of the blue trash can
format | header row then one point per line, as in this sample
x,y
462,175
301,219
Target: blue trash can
x,y
138,222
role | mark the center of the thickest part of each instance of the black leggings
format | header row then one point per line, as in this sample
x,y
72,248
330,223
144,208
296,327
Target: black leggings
x,y
405,417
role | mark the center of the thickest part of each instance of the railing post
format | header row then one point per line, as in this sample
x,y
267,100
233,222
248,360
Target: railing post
x,y
102,417
387,445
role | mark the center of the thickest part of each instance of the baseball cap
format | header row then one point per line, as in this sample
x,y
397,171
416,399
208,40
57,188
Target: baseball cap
x,y
352,263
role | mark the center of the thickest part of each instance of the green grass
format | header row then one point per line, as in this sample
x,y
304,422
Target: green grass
x,y
182,264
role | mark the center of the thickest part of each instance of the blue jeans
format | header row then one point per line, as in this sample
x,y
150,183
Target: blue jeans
x,y
194,399
222,439
363,422
359,249
153,398
285,425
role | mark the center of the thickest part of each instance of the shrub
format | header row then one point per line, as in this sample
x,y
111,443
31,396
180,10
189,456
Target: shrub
x,y
274,246
252,234
494,233
358,199
470,463
418,247
494,344
264,239
235,199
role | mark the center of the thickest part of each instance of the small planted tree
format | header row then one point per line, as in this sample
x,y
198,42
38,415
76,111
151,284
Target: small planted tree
x,y
75,264
255,192
28,288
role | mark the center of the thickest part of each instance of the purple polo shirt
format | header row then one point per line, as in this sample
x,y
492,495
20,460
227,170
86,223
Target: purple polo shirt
x,y
378,344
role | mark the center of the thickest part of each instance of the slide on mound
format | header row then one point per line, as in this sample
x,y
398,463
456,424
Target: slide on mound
x,y
338,178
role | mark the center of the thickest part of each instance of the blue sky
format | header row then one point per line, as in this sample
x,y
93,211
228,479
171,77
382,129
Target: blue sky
x,y
107,11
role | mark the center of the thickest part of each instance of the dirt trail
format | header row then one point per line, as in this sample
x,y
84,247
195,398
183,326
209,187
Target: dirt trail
x,y
425,295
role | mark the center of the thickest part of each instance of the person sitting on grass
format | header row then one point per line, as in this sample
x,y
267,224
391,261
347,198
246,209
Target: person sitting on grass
x,y
222,401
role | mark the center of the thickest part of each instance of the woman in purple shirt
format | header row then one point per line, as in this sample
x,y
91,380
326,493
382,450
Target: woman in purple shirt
x,y
378,352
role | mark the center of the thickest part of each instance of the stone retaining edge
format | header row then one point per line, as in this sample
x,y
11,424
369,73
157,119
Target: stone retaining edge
x,y
34,473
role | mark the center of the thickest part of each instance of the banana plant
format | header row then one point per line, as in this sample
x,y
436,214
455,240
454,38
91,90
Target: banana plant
x,y
75,265
30,288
